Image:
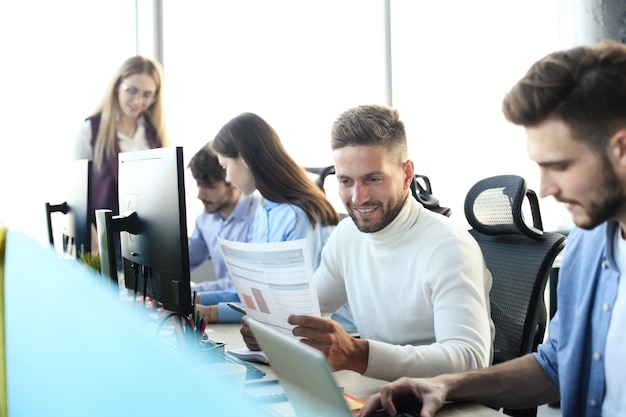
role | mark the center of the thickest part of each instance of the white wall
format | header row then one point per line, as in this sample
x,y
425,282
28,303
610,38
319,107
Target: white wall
x,y
57,58
300,64
453,62
297,64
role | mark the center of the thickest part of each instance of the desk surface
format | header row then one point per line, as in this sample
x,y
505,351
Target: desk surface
x,y
354,383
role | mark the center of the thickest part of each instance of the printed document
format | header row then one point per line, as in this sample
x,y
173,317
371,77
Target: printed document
x,y
274,280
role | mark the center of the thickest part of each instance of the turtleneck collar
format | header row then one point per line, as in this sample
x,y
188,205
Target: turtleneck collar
x,y
400,226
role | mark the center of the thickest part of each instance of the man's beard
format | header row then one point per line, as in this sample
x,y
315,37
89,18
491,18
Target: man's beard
x,y
609,201
218,206
389,212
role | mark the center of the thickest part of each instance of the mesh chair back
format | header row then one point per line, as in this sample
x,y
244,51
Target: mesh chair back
x,y
519,256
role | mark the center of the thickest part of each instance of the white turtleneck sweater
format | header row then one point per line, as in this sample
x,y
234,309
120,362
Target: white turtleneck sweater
x,y
418,290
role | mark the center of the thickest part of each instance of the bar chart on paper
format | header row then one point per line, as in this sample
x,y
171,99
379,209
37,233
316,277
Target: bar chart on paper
x,y
273,280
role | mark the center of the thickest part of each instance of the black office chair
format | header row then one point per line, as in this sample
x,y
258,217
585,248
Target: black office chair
x,y
424,194
519,257
420,188
322,173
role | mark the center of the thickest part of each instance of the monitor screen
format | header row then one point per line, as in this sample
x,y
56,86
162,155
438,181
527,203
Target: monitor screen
x,y
75,203
153,227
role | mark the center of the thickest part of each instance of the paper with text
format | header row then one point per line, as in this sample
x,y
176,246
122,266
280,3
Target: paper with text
x,y
273,280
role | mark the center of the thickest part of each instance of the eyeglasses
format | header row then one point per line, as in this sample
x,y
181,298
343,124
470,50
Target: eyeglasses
x,y
136,93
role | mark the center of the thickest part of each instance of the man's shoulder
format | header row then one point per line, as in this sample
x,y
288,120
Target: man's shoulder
x,y
432,222
598,232
253,198
581,243
205,219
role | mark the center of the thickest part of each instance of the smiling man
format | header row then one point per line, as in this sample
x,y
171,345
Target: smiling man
x,y
416,282
572,104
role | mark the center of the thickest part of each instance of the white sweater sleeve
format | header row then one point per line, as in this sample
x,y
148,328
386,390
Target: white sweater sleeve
x,y
457,286
418,293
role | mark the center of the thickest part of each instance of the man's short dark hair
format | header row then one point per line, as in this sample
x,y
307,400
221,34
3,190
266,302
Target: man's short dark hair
x,y
205,167
371,125
585,87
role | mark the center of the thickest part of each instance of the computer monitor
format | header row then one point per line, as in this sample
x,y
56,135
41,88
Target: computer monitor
x,y
153,227
75,203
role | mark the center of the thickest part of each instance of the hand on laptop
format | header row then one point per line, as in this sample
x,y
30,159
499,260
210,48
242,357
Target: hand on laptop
x,y
404,395
342,350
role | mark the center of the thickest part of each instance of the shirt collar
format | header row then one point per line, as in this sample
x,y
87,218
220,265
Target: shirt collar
x,y
242,208
269,205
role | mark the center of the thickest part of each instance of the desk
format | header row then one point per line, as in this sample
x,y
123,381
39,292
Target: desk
x,y
354,383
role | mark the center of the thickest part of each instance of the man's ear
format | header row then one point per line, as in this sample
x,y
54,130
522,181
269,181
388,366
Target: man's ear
x,y
409,173
617,148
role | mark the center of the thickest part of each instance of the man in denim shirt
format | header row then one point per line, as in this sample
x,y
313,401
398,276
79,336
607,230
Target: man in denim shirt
x,y
228,214
572,105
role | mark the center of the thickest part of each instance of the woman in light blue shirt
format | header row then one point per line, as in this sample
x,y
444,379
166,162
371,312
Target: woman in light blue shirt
x,y
293,207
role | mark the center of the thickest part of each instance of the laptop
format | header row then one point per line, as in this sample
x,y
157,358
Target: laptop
x,y
303,373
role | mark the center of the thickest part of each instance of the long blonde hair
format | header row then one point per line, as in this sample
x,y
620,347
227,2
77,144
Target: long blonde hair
x,y
109,106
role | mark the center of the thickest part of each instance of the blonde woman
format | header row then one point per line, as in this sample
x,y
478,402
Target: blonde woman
x,y
128,118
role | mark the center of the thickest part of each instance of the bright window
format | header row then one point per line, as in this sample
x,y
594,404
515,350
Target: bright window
x,y
57,59
300,64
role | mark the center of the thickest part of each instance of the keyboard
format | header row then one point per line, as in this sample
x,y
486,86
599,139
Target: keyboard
x,y
169,338
252,372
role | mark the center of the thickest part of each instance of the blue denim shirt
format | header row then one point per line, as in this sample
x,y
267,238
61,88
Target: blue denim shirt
x,y
203,245
281,222
573,355
237,227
